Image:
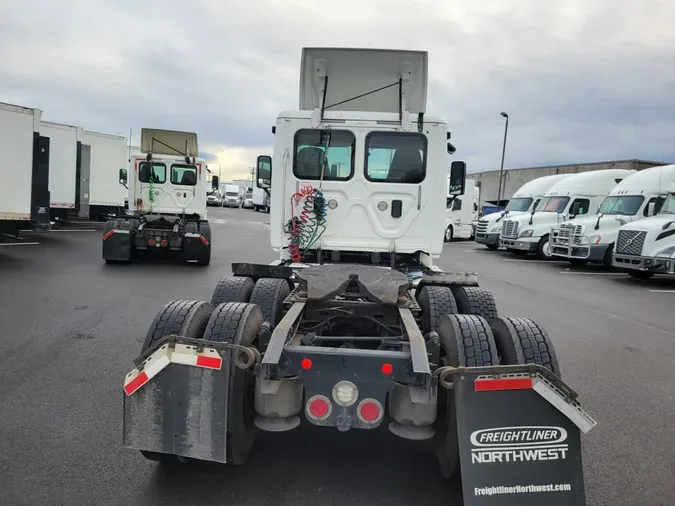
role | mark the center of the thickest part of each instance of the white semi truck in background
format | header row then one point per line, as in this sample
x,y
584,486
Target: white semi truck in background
x,y
524,201
460,211
646,247
260,200
591,238
24,172
568,199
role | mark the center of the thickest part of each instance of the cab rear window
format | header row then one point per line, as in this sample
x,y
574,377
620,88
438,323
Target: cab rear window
x,y
324,154
155,172
184,175
396,157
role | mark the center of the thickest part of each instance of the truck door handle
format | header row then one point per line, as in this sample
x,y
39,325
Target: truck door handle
x,y
396,208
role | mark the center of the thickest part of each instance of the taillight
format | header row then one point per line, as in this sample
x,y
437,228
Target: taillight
x,y
319,407
164,243
370,411
151,242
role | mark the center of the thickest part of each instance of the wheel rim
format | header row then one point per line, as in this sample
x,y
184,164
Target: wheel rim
x,y
448,234
546,249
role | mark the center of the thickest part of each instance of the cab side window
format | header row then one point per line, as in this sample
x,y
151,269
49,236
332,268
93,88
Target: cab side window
x,y
580,206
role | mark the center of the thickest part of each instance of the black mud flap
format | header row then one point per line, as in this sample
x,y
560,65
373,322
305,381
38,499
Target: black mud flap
x,y
180,410
519,439
117,245
195,246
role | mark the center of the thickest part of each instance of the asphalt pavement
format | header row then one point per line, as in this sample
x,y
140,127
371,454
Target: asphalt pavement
x,y
70,326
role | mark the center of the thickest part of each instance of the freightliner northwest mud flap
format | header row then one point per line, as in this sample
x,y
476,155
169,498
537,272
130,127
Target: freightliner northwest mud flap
x,y
164,400
519,431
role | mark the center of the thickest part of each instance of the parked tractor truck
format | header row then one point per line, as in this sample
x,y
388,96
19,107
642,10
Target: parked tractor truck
x,y
591,238
167,202
354,326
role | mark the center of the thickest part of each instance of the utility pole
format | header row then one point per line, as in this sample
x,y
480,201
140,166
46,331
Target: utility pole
x,y
220,175
501,171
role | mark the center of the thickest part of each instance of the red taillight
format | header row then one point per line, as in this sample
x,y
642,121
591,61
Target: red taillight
x,y
319,407
108,234
151,242
204,240
497,384
306,364
387,369
370,411
164,243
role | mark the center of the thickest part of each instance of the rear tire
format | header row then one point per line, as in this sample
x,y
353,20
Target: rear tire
x,y
269,294
237,323
232,289
521,341
184,318
640,274
435,301
476,301
466,341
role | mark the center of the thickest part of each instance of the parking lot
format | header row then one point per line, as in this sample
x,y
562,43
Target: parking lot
x,y
71,326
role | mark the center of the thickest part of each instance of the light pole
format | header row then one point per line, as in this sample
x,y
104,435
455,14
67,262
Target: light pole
x,y
501,171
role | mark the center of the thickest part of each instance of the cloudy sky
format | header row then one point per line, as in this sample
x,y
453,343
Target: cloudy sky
x,y
582,80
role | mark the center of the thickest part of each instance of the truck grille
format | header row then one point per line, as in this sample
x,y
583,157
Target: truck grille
x,y
481,228
510,229
630,242
569,231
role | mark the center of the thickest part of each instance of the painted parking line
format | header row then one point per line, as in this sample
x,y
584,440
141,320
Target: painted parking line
x,y
19,244
662,291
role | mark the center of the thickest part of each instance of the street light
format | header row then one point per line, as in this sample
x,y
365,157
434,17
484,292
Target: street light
x,y
501,171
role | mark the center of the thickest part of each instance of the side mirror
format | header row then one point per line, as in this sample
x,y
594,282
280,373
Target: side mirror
x,y
651,208
576,207
475,207
263,172
123,176
214,182
451,148
457,178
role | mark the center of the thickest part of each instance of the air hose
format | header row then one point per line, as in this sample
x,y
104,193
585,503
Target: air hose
x,y
306,229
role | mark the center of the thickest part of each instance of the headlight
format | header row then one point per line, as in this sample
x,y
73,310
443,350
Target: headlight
x,y
595,239
496,230
527,233
666,253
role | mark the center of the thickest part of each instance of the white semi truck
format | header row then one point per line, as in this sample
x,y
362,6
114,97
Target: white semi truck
x,y
24,171
591,238
167,202
260,200
460,211
647,247
524,201
568,199
354,327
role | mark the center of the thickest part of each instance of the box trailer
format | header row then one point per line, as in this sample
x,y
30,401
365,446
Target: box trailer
x,y
24,192
99,189
63,167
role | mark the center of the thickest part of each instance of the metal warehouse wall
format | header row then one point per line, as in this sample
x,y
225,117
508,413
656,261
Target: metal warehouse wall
x,y
515,178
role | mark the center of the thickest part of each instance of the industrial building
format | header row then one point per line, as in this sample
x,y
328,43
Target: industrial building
x,y
512,179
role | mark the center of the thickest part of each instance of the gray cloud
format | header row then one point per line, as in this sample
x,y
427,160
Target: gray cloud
x,y
582,81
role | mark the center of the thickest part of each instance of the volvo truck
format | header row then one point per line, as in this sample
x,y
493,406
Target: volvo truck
x,y
354,326
24,180
646,247
567,200
524,201
592,238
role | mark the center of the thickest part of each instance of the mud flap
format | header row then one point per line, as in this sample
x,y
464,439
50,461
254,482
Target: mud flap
x,y
117,245
519,440
180,410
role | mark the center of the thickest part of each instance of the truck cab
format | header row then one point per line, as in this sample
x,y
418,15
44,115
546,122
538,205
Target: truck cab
x,y
646,247
568,199
524,201
591,238
460,211
375,164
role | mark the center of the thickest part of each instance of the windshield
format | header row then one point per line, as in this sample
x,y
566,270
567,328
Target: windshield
x,y
249,195
232,194
627,205
553,204
669,205
519,205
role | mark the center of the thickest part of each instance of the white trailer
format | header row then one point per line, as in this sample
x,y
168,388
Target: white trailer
x,y
63,167
24,172
260,199
568,199
646,247
459,212
102,157
592,238
524,201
